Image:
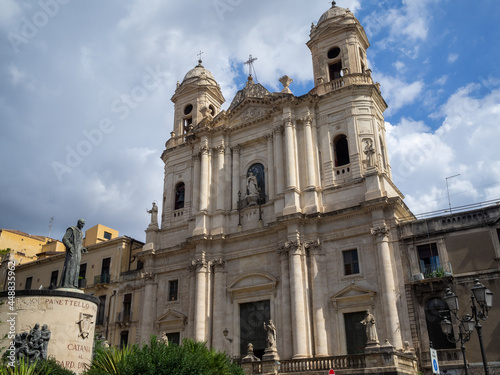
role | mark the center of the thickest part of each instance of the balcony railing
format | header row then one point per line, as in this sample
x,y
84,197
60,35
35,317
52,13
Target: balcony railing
x,y
124,316
338,363
432,271
102,279
82,283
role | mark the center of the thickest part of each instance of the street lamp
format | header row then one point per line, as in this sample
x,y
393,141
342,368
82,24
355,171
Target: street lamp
x,y
484,298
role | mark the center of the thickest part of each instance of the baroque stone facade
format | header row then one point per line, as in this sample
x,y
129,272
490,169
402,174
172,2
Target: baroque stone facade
x,y
311,242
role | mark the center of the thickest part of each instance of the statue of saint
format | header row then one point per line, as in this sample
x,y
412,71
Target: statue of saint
x,y
271,334
252,185
369,151
73,240
45,336
371,331
154,214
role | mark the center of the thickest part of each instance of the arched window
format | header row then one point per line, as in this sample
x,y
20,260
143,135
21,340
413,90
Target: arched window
x,y
341,150
435,311
179,196
188,118
257,170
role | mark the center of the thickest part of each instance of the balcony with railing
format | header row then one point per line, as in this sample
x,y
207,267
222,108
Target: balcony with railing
x,y
103,278
382,362
431,271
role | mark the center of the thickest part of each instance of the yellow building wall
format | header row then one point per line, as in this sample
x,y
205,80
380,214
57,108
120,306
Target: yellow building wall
x,y
99,233
24,246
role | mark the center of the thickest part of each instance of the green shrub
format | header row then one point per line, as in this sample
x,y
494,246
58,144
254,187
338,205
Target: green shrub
x,y
159,359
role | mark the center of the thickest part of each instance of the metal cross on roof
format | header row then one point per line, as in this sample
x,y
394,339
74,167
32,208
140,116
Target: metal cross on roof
x,y
199,56
250,64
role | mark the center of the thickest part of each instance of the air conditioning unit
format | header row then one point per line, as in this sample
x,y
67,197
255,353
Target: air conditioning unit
x,y
417,277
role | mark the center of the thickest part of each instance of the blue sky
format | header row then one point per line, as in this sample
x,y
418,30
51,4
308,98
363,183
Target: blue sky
x,y
69,68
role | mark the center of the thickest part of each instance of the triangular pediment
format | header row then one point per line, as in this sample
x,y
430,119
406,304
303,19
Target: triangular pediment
x,y
353,292
172,316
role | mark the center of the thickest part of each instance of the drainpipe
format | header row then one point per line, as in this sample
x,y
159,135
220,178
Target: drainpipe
x,y
109,312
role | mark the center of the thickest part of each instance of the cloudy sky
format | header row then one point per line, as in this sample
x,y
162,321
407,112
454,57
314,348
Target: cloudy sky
x,y
85,89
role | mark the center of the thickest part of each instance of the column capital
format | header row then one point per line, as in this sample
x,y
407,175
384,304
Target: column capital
x,y
236,149
278,130
289,246
269,137
307,119
204,149
313,246
218,264
219,149
198,264
196,157
380,232
148,276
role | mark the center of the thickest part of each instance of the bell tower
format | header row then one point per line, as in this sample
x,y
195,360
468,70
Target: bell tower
x,y
198,96
338,45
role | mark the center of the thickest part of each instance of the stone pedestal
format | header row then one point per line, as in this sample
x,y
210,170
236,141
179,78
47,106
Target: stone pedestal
x,y
68,314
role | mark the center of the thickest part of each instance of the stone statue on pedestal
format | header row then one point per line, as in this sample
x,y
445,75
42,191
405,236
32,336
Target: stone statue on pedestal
x,y
271,351
154,215
371,331
73,240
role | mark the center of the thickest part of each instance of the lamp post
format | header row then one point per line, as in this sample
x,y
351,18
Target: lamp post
x,y
465,327
484,298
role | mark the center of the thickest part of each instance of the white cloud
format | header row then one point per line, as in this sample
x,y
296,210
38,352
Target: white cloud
x,y
398,93
17,76
10,14
464,144
407,25
452,57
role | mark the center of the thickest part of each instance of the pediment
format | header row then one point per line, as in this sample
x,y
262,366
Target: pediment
x,y
353,295
252,285
172,316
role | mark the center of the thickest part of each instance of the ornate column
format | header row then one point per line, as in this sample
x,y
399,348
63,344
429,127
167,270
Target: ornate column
x,y
204,183
299,329
199,266
319,306
388,289
221,183
148,314
270,165
236,175
311,172
218,340
196,183
290,153
278,157
286,326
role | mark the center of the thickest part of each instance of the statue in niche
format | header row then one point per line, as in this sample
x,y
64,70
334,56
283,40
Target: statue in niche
x,y
164,338
271,335
371,330
73,240
252,189
154,214
369,152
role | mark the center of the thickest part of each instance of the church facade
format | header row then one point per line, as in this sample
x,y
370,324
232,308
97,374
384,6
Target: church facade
x,y
280,208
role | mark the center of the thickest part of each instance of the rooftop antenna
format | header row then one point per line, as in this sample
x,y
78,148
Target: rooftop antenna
x,y
50,224
448,191
251,68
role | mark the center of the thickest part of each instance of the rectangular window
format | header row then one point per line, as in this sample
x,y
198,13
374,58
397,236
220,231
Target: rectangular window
x,y
101,311
173,288
107,235
53,279
123,339
82,277
127,307
351,263
106,263
428,258
174,338
29,281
